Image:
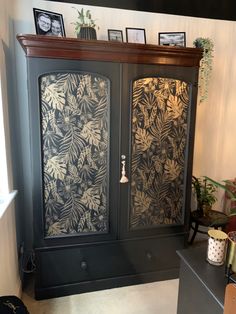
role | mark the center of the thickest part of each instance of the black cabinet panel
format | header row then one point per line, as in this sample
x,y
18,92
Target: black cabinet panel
x,y
66,192
160,115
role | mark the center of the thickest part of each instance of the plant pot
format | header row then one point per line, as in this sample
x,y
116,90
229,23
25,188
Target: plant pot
x,y
216,250
205,209
87,33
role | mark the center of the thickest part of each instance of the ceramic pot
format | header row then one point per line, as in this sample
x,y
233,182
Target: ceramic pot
x,y
216,250
87,33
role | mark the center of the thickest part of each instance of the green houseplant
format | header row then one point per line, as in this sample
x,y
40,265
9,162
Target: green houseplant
x,y
205,70
85,25
230,188
205,194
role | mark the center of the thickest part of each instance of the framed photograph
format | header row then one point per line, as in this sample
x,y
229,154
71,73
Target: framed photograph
x,y
172,39
135,35
48,23
115,35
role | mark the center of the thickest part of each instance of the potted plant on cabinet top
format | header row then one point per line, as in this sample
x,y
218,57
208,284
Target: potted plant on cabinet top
x,y
204,191
229,186
205,66
85,25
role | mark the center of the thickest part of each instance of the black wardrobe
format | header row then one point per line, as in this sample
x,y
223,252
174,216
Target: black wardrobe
x,y
112,131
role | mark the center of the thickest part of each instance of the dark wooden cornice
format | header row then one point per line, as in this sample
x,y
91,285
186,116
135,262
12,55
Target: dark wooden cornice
x,y
74,49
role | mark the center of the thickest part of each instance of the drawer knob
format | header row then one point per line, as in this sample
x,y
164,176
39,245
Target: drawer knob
x,y
83,265
149,256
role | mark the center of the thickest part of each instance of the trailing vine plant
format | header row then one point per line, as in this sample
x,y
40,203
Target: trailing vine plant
x,y
205,70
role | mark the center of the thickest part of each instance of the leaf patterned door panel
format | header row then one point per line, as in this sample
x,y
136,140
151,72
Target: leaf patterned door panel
x,y
75,144
159,138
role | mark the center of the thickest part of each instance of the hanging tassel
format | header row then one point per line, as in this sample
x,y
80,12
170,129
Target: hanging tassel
x,y
123,179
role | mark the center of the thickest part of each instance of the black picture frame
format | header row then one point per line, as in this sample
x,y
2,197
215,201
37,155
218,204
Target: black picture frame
x,y
135,35
177,39
115,35
49,23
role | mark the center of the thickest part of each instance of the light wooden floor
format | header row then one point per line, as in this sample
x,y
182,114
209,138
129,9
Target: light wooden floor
x,y
152,298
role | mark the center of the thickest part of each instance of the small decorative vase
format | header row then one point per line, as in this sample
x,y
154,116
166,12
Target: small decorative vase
x,y
216,250
87,33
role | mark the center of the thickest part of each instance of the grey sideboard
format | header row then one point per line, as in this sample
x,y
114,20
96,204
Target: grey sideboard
x,y
201,285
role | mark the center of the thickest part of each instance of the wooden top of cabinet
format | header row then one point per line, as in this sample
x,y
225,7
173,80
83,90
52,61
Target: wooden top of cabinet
x,y
98,50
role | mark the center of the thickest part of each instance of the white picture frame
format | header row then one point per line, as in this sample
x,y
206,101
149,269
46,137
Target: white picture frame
x,y
135,35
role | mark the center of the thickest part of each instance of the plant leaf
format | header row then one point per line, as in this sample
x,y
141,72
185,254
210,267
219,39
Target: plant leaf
x,y
222,186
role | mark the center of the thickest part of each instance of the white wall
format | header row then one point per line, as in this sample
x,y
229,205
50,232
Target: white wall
x,y
215,126
10,283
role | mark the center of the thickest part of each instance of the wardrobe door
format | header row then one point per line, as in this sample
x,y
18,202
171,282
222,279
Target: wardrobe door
x,y
76,150
157,115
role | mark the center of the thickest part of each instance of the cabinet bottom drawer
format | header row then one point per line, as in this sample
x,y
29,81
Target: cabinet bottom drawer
x,y
81,264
